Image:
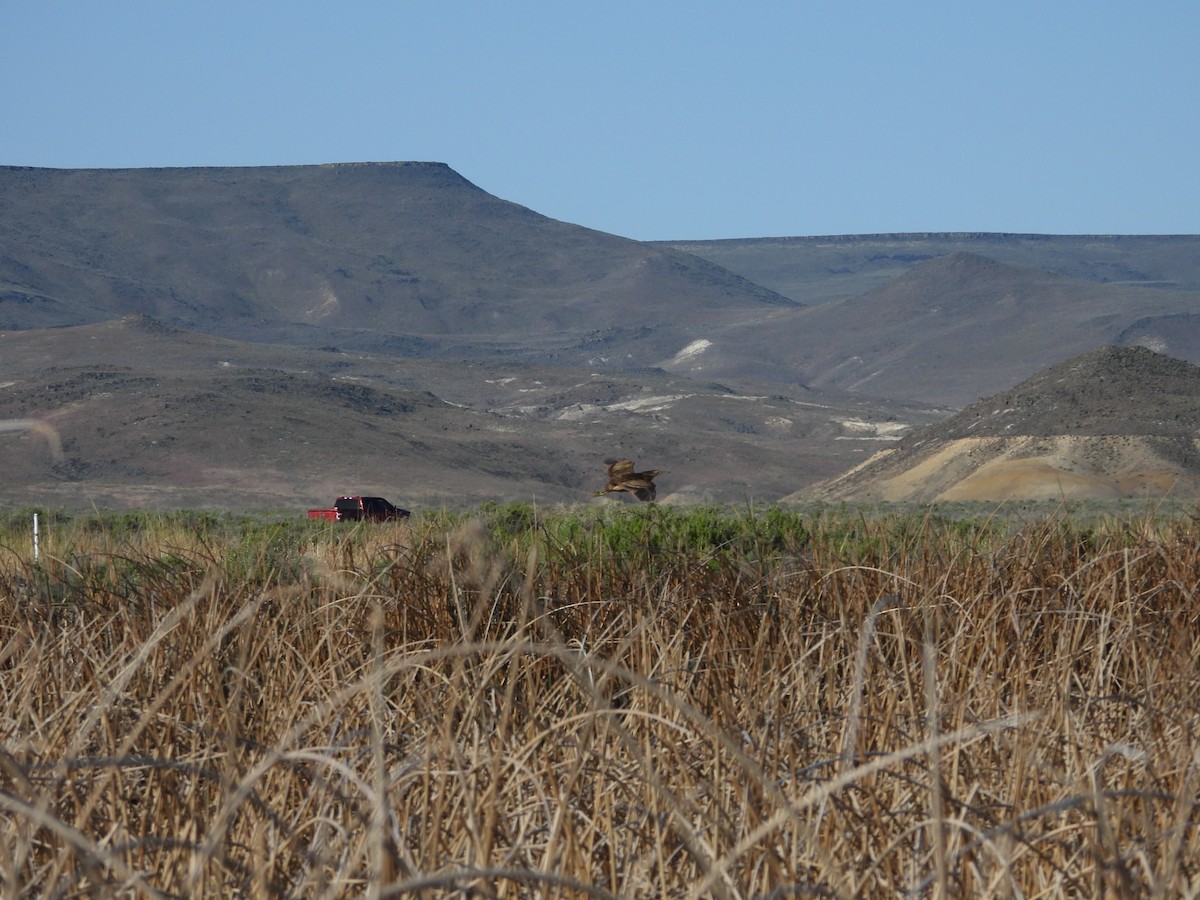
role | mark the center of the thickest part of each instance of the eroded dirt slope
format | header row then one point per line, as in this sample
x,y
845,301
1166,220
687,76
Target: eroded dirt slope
x,y
1119,422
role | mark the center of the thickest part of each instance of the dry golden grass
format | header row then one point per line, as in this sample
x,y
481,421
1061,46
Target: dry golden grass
x,y
448,707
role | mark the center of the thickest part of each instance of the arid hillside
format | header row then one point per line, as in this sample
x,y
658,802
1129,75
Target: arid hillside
x,y
149,416
407,258
829,267
1117,422
957,328
271,336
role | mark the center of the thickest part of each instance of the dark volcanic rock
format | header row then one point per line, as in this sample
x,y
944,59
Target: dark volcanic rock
x,y
1109,391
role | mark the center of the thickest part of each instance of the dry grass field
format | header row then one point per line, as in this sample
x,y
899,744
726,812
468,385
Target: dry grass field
x,y
609,702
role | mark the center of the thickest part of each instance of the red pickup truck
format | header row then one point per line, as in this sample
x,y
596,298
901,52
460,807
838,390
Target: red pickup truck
x,y
360,509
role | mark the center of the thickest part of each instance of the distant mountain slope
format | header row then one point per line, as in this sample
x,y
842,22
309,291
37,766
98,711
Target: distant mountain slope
x,y
1114,422
954,329
357,255
269,336
821,268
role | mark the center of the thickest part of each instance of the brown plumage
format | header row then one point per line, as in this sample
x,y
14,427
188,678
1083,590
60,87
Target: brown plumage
x,y
621,477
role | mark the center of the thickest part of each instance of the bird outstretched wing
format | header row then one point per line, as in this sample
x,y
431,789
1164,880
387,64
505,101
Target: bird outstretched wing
x,y
619,469
643,491
621,477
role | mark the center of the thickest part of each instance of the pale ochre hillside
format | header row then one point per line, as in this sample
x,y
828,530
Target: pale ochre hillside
x,y
1114,423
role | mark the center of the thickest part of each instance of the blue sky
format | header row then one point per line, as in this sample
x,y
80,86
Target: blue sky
x,y
653,120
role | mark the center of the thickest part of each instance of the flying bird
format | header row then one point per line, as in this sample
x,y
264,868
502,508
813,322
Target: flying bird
x,y
621,477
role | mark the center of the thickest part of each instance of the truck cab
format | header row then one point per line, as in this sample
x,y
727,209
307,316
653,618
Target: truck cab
x,y
370,509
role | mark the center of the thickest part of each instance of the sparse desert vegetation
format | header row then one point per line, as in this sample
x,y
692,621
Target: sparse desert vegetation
x,y
470,348
602,702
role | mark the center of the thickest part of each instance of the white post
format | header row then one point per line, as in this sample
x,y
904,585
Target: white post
x,y
35,538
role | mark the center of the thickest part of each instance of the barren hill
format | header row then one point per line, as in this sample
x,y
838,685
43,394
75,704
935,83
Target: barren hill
x,y
268,336
150,415
404,257
961,327
1114,422
828,267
